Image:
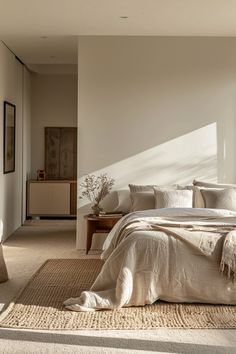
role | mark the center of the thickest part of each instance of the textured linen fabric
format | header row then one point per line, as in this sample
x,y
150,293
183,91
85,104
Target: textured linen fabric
x,y
228,259
219,198
173,198
3,268
142,200
178,266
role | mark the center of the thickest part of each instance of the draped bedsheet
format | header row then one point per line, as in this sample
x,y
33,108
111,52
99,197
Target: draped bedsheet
x,y
175,255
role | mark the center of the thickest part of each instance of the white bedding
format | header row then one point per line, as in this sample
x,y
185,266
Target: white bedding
x,y
143,265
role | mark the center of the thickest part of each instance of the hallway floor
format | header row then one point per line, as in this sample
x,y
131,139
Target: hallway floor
x,y
28,248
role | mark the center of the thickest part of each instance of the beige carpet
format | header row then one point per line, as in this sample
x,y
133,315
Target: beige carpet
x,y
40,305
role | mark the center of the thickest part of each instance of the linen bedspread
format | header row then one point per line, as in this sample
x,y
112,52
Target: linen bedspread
x,y
176,255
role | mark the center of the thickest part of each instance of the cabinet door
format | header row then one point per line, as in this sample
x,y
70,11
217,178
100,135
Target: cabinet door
x,y
52,153
61,153
68,156
49,198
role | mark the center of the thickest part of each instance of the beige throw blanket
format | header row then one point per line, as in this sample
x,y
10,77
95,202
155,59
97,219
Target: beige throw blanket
x,y
161,255
203,238
228,258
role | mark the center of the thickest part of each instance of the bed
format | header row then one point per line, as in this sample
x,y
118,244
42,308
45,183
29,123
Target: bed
x,y
170,254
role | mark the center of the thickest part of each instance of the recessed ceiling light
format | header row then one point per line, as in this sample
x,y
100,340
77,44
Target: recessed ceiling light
x,y
124,17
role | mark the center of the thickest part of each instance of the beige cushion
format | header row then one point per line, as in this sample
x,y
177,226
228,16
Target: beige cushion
x,y
165,198
124,201
219,198
142,200
3,268
142,196
150,187
212,185
198,201
141,188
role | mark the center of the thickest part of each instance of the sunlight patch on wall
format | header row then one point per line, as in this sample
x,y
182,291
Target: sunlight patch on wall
x,y
180,160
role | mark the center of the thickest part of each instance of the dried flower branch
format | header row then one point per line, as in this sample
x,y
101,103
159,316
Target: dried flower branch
x,y
96,188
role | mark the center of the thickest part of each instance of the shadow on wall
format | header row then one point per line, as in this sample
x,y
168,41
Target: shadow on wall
x,y
180,160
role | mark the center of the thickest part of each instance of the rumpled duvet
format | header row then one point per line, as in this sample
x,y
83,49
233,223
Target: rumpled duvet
x,y
176,255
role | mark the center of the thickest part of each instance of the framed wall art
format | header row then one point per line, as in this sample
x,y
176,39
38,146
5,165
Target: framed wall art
x,y
9,138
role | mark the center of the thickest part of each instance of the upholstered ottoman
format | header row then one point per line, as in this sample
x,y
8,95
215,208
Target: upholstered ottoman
x,y
3,268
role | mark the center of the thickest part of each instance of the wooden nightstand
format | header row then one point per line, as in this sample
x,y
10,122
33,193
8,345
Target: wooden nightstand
x,y
98,224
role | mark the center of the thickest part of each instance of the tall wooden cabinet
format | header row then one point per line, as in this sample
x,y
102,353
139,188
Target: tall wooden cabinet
x,y
61,153
51,198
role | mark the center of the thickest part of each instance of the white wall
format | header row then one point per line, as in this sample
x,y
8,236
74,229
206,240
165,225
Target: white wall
x,y
54,103
157,110
27,136
11,89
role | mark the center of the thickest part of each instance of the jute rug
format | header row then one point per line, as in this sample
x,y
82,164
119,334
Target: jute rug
x,y
40,305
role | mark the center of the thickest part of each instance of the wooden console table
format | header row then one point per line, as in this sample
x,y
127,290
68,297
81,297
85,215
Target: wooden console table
x,y
51,198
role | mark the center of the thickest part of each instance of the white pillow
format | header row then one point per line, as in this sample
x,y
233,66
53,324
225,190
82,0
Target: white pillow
x,y
165,198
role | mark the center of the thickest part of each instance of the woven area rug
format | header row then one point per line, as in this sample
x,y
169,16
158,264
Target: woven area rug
x,y
40,305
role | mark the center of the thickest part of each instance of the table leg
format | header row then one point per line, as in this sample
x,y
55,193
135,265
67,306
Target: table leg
x,y
91,228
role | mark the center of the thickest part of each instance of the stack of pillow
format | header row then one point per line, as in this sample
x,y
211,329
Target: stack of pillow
x,y
154,197
214,195
199,195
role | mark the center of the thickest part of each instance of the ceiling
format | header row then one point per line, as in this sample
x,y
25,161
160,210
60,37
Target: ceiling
x,y
24,24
